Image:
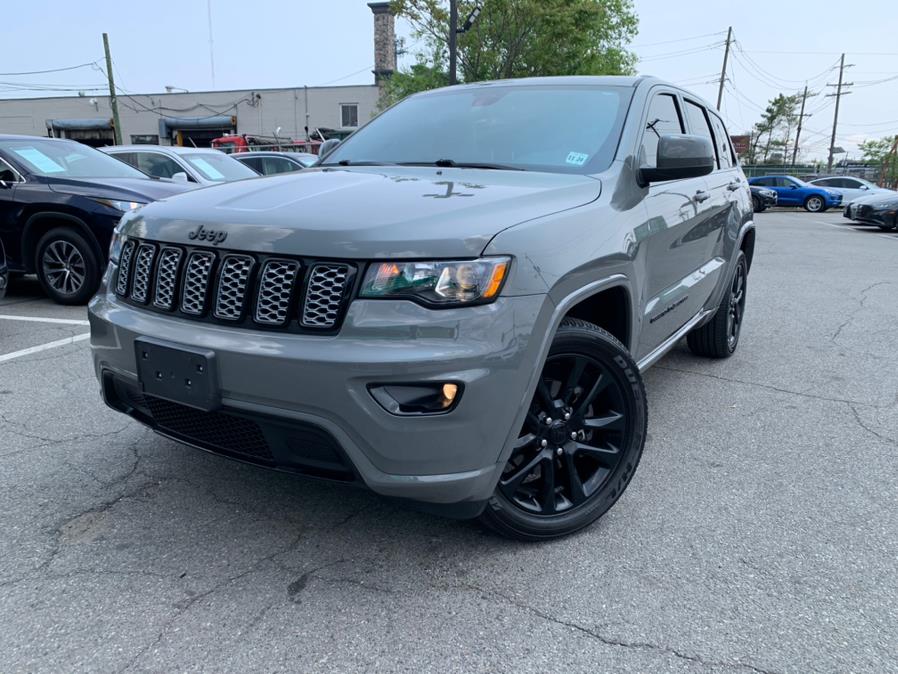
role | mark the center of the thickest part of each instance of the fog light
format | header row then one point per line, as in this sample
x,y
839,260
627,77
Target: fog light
x,y
417,399
449,391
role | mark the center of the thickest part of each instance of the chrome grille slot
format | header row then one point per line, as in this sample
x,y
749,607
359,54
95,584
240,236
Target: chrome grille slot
x,y
124,269
324,295
167,277
232,282
196,282
275,287
143,266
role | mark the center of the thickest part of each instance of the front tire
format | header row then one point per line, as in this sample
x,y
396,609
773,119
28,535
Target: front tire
x,y
67,266
757,205
581,441
719,337
814,204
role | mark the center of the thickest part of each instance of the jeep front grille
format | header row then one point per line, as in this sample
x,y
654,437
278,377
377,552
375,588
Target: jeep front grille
x,y
248,290
232,282
143,266
275,289
196,283
167,277
324,295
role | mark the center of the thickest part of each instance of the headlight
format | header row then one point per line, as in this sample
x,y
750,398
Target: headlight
x,y
440,284
120,206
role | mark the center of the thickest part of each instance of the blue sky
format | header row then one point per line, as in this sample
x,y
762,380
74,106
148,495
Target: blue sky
x,y
314,42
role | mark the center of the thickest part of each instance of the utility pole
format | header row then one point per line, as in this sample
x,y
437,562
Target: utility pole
x,y
113,100
723,71
455,31
453,41
838,95
801,116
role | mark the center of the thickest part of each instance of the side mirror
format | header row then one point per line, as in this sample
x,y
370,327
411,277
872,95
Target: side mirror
x,y
179,177
327,147
4,185
865,187
680,156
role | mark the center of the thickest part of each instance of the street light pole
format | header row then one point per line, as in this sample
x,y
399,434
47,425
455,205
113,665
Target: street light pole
x,y
453,41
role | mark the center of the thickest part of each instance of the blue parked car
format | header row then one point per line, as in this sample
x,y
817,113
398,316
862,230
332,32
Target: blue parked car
x,y
791,191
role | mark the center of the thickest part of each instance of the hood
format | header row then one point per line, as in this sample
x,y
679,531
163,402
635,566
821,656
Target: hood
x,y
370,212
124,189
882,196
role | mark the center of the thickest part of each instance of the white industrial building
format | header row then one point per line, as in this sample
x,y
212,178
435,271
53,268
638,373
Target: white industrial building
x,y
195,118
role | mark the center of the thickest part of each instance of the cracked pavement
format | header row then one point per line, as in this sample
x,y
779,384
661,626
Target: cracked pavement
x,y
758,535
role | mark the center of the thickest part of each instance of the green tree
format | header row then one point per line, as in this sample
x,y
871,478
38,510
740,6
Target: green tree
x,y
882,151
518,38
771,136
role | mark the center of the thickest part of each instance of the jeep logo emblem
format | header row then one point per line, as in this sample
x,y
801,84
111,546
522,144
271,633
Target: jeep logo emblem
x,y
210,235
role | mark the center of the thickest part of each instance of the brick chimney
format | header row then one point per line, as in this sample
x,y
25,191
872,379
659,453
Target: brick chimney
x,y
384,41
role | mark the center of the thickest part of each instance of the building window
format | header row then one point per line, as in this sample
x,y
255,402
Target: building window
x,y
349,115
144,139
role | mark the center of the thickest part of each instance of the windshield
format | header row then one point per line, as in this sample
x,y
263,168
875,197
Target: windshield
x,y
218,167
67,159
556,128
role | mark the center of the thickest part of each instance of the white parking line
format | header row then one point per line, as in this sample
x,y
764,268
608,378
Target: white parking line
x,y
43,347
37,319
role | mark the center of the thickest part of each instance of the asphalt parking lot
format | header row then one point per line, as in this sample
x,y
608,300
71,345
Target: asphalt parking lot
x,y
759,534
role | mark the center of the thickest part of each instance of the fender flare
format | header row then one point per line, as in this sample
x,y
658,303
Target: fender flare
x,y
29,242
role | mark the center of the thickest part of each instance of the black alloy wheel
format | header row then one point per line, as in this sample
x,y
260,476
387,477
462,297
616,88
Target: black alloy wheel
x,y
719,337
736,304
581,439
67,266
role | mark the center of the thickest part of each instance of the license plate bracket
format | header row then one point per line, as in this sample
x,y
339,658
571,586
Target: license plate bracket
x,y
177,373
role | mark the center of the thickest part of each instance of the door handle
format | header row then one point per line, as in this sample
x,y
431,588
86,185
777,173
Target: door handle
x,y
735,185
701,196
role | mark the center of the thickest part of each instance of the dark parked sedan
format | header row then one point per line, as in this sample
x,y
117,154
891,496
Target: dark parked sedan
x,y
271,163
59,202
762,198
4,273
876,209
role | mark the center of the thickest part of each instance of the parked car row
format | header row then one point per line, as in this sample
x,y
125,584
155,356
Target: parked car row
x,y
201,166
814,196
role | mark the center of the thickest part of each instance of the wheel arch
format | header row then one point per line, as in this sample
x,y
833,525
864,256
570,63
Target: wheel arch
x,y
42,222
747,245
610,308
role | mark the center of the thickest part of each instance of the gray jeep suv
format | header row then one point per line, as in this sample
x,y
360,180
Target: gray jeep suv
x,y
454,307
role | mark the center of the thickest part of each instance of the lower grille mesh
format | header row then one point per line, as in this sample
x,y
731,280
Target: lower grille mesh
x,y
216,430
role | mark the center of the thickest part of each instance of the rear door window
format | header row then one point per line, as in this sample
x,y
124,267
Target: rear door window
x,y
158,164
698,124
664,118
722,142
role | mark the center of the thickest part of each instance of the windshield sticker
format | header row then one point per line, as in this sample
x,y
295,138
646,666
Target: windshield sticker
x,y
576,158
208,170
39,160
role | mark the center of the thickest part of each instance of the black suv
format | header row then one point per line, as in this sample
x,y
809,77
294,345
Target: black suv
x,y
59,203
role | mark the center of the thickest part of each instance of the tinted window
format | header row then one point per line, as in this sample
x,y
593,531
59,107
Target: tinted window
x,y
698,123
663,119
557,128
158,165
722,143
253,162
764,182
67,159
272,165
827,182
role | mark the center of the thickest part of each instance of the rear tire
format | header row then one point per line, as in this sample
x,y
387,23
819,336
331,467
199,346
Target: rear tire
x,y
719,337
568,469
67,266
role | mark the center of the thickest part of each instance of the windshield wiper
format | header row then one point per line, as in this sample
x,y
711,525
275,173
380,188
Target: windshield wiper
x,y
352,162
451,163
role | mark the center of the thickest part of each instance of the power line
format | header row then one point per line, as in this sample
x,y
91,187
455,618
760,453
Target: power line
x,y
50,70
682,39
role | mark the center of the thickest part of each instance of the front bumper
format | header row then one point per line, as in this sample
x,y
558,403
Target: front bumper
x,y
866,213
300,391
